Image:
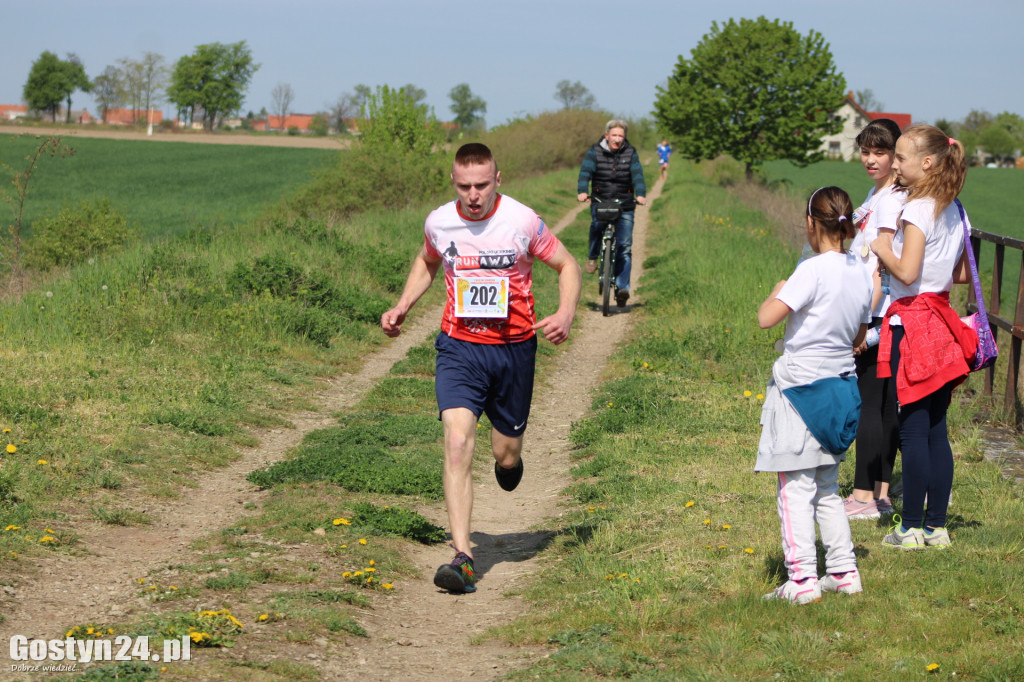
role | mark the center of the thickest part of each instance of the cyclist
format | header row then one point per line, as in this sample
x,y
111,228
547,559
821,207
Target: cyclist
x,y
611,168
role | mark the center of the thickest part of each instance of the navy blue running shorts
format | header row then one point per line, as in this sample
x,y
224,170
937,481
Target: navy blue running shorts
x,y
496,379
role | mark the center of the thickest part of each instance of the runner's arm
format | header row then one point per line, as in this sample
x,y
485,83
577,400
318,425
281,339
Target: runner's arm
x,y
570,280
421,275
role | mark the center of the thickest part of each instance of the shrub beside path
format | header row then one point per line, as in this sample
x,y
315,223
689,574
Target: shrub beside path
x,y
416,633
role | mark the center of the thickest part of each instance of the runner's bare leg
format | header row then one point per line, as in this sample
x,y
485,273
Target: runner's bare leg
x,y
459,440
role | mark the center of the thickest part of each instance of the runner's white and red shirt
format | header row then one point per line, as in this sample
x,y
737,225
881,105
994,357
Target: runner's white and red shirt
x,y
488,269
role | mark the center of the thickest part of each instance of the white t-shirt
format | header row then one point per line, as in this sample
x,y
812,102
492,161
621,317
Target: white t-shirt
x,y
830,296
881,210
943,246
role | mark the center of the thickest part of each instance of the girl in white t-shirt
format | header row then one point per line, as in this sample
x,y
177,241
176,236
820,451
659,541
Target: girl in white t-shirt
x,y
811,407
878,435
923,342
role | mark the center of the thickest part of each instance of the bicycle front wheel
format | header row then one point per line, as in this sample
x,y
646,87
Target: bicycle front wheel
x,y
606,274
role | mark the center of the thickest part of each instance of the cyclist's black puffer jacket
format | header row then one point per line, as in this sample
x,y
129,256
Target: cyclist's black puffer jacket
x,y
613,174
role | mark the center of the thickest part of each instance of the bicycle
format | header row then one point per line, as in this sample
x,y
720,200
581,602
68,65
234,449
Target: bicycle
x,y
608,212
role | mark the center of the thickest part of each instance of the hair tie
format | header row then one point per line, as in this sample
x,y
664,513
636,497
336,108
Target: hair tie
x,y
812,199
840,219
951,142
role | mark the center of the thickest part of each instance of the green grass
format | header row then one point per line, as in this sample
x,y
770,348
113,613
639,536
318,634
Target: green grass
x,y
660,569
990,195
165,188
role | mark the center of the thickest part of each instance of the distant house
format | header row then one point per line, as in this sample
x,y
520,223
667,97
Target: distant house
x,y
10,112
127,117
302,122
843,145
82,116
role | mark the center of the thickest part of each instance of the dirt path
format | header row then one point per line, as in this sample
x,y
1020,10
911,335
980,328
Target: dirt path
x,y
418,633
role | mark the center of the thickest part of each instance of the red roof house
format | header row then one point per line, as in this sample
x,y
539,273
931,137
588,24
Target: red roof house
x,y
9,112
843,144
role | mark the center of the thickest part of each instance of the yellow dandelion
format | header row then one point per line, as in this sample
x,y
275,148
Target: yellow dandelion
x,y
636,580
721,547
11,448
47,530
7,430
747,394
357,574
387,586
932,667
369,579
110,631
263,617
89,631
47,538
749,550
342,522
726,331
362,541
12,527
343,547
142,580
372,562
40,461
609,577
726,527
760,396
707,522
172,587
689,504
623,575
346,574
370,569
645,365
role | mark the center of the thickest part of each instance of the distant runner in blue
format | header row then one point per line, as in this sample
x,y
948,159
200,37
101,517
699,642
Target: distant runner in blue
x,y
664,152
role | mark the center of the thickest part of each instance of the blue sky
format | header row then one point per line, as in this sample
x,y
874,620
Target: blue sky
x,y
937,59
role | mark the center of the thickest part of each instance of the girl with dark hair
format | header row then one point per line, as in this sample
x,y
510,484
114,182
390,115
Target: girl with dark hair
x,y
812,405
878,436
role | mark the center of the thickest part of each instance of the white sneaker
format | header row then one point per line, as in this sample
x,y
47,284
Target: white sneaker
x,y
805,593
849,584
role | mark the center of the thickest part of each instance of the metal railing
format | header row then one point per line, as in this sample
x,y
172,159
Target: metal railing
x,y
1015,327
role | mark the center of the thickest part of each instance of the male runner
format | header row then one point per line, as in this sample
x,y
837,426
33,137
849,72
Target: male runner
x,y
486,242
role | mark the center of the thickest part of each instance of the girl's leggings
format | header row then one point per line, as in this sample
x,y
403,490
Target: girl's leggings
x,y
878,434
927,455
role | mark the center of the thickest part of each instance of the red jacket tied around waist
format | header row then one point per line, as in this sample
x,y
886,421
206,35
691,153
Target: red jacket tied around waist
x,y
936,349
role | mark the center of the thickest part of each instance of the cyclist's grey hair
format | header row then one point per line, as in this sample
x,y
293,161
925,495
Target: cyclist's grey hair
x,y
616,123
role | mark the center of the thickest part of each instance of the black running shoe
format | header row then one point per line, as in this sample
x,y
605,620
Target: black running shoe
x,y
509,479
621,296
458,576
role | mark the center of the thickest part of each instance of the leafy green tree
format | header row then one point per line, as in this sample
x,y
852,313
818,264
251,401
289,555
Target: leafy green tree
x,y
76,78
467,107
573,95
417,95
144,81
396,122
946,126
362,94
51,81
212,81
756,90
866,99
108,90
1002,136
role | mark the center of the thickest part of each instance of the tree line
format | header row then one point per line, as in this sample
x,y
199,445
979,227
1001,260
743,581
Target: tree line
x,y
209,85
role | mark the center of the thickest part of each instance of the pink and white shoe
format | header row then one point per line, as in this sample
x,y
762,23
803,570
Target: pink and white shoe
x,y
799,593
848,584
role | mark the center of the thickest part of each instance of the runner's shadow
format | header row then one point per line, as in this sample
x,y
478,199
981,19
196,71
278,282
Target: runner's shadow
x,y
492,549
